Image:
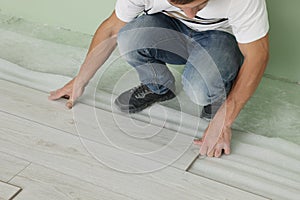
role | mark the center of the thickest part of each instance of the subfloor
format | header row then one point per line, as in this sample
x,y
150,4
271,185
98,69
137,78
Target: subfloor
x,y
95,152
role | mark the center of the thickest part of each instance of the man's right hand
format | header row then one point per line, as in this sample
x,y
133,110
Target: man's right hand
x,y
103,44
70,91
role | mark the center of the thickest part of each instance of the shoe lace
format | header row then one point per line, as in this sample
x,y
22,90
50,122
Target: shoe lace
x,y
141,91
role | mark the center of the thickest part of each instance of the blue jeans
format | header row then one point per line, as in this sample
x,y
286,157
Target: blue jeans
x,y
212,59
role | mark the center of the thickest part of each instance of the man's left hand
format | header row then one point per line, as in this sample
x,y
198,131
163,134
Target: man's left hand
x,y
215,139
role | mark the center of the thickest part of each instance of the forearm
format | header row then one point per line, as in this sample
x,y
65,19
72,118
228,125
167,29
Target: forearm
x,y
95,59
248,79
102,45
242,91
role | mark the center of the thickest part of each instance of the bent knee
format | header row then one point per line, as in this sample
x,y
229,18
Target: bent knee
x,y
201,94
197,93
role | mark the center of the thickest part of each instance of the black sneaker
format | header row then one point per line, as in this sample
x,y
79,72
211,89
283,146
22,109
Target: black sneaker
x,y
209,111
139,98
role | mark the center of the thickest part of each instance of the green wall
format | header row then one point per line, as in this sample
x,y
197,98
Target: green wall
x,y
77,15
85,16
285,39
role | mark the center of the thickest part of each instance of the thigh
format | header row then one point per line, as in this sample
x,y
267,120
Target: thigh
x,y
213,63
223,52
157,20
159,36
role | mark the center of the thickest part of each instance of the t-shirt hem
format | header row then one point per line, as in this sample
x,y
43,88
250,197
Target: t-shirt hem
x,y
259,36
122,18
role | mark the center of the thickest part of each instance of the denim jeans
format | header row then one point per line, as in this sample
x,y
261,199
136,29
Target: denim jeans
x,y
212,58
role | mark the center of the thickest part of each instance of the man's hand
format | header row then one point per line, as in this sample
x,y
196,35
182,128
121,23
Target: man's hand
x,y
216,137
103,44
71,91
213,148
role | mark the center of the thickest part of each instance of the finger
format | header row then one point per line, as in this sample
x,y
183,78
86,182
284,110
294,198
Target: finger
x,y
71,101
218,152
227,149
203,150
54,95
69,104
198,141
211,153
66,96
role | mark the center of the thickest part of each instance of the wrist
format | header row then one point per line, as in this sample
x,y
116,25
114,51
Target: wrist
x,y
232,110
81,82
226,113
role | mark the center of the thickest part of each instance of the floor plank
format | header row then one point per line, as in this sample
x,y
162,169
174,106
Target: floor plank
x,y
41,183
10,166
38,140
140,138
133,136
24,102
8,191
64,153
265,166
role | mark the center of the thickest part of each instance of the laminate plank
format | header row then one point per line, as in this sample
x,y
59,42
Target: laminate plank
x,y
39,183
133,136
265,166
111,128
64,153
10,166
7,191
26,102
46,82
27,136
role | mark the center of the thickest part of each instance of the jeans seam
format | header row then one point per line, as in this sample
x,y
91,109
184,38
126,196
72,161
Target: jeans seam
x,y
154,73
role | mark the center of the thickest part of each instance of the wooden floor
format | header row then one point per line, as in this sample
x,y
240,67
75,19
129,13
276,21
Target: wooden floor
x,y
44,157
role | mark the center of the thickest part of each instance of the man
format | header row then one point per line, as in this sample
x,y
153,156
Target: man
x,y
223,44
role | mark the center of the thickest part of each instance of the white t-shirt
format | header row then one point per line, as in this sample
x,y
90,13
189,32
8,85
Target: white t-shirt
x,y
247,20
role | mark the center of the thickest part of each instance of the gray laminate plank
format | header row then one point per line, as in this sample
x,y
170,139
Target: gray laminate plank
x,y
140,138
65,153
258,169
39,182
8,191
10,166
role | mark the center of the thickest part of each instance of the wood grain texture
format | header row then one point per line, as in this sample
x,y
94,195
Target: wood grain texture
x,y
7,191
99,126
64,152
10,166
266,166
39,183
46,82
